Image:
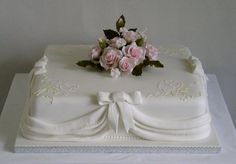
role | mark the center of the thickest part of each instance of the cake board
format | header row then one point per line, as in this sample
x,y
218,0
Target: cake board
x,y
111,145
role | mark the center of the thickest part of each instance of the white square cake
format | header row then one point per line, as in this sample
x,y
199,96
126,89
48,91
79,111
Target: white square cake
x,y
74,109
70,103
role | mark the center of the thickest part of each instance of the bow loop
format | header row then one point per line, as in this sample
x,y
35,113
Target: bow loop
x,y
120,103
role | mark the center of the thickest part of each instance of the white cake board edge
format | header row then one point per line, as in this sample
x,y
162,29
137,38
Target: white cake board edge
x,y
210,145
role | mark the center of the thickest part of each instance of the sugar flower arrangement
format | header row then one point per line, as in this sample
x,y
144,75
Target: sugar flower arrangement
x,y
122,51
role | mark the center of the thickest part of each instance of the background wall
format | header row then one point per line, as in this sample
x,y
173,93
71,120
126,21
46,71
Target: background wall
x,y
207,27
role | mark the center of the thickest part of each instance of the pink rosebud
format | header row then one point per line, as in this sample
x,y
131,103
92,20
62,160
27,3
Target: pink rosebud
x,y
102,42
110,58
117,42
130,36
152,52
95,53
143,35
126,65
135,52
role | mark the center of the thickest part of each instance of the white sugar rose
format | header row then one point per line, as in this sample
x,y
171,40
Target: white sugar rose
x,y
126,65
95,53
152,52
110,58
115,73
130,36
134,52
117,42
123,29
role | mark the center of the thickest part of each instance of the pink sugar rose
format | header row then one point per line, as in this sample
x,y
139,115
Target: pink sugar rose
x,y
126,65
135,52
117,42
110,58
152,52
95,53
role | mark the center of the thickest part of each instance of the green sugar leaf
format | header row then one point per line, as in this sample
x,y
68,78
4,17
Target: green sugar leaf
x,y
132,29
85,63
110,34
155,63
138,70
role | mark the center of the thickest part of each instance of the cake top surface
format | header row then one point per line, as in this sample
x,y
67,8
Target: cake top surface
x,y
61,68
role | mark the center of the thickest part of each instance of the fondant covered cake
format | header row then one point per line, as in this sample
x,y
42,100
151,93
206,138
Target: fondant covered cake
x,y
68,102
71,103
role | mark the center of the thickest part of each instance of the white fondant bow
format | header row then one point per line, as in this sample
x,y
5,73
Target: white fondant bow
x,y
120,103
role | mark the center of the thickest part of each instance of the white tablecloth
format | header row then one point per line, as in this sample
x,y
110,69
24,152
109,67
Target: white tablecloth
x,y
12,110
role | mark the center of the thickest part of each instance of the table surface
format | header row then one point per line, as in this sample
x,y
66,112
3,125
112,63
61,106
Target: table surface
x,y
14,104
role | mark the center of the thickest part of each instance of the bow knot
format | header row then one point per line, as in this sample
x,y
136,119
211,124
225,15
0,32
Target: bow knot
x,y
120,103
